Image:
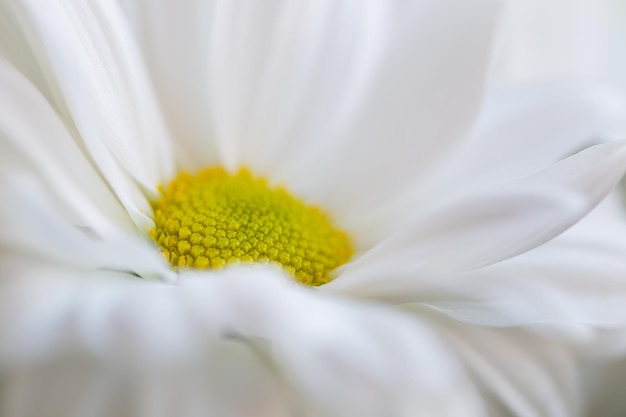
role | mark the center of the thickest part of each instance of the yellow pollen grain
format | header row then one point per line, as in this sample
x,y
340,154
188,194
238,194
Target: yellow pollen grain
x,y
216,218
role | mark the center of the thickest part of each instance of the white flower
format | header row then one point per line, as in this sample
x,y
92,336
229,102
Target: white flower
x,y
364,109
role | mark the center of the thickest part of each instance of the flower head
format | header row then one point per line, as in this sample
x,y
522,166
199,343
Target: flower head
x,y
405,210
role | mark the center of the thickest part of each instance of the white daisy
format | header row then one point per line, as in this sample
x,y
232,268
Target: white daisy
x,y
362,111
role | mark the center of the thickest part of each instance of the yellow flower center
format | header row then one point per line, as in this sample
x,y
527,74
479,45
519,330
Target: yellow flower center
x,y
215,218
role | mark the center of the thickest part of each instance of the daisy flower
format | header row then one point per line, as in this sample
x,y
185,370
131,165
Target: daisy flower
x,y
284,208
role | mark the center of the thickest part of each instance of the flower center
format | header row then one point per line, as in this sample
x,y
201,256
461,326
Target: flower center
x,y
215,218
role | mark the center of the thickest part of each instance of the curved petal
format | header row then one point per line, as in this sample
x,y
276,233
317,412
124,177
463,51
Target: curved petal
x,y
575,280
485,228
34,223
529,375
336,357
14,47
240,385
392,364
520,130
410,89
88,54
174,39
326,95
35,140
526,128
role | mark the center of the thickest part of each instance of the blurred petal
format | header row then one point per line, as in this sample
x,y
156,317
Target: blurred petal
x,y
347,358
90,57
175,41
577,280
528,374
241,385
587,43
408,88
487,227
339,357
34,224
526,128
289,81
14,47
35,141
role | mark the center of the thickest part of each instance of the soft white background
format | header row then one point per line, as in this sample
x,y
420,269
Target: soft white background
x,y
574,39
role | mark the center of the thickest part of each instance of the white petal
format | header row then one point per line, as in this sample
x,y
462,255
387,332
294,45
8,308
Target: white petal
x,y
14,46
33,223
530,375
470,232
577,280
56,208
327,96
391,364
338,358
398,84
521,130
487,227
35,140
175,40
90,56
526,128
241,388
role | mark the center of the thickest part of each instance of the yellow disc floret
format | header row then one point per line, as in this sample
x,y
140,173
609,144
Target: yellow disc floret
x,y
215,218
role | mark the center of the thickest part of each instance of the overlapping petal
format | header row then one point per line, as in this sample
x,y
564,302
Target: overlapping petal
x,y
576,281
55,205
520,130
528,127
338,357
486,228
101,87
288,81
348,103
36,225
530,375
175,41
35,143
